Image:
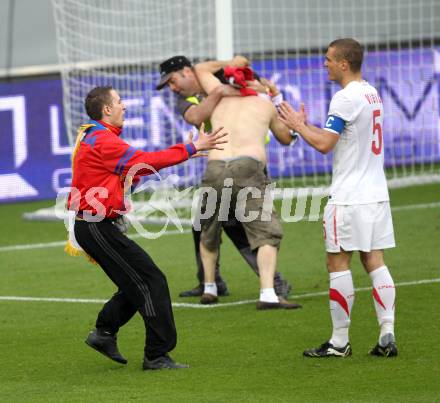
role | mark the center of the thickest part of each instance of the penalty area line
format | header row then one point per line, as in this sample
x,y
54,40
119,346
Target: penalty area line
x,y
199,306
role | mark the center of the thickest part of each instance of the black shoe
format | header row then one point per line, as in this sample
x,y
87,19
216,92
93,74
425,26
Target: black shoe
x,y
283,289
282,304
163,362
328,350
386,348
222,289
106,345
195,292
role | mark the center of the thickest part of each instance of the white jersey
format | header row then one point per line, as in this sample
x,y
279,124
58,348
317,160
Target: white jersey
x,y
356,114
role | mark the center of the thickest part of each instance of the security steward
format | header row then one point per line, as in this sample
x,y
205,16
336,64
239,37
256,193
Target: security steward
x,y
196,108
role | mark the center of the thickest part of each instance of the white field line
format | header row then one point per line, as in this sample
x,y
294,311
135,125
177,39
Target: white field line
x,y
62,243
199,306
174,232
416,206
396,209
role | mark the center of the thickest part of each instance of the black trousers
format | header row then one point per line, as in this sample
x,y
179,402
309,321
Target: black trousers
x,y
236,233
142,287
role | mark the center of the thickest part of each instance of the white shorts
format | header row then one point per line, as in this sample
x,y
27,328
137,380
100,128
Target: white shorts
x,y
363,227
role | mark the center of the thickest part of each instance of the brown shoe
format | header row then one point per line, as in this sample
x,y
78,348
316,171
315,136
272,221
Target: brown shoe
x,y
282,304
208,299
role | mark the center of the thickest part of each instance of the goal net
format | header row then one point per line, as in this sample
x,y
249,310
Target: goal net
x,y
121,43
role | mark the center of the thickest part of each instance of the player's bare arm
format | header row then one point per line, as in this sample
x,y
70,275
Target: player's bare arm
x,y
204,72
281,132
215,65
196,114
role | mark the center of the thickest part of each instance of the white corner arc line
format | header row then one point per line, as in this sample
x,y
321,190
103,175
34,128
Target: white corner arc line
x,y
198,306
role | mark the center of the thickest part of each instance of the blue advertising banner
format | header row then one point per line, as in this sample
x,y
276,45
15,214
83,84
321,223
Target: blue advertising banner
x,y
408,82
35,155
34,151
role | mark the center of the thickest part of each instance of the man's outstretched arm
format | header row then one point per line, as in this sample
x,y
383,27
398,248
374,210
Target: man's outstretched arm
x,y
205,70
196,114
205,75
215,65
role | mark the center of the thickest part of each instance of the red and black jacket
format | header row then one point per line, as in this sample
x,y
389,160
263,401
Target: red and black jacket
x,y
100,166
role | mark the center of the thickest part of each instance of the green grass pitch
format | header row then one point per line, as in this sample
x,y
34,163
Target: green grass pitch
x,y
236,354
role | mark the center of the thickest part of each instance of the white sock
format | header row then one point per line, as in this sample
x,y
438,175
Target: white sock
x,y
341,296
268,295
210,288
384,295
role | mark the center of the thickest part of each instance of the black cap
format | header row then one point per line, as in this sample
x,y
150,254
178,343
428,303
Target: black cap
x,y
169,66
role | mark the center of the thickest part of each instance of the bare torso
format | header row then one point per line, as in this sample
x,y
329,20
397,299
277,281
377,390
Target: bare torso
x,y
247,121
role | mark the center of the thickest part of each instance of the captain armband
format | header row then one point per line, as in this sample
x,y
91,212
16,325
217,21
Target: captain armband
x,y
334,124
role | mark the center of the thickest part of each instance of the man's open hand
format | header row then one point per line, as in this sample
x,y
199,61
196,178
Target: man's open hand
x,y
209,141
294,120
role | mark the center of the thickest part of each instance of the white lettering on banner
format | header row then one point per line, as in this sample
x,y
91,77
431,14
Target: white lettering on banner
x,y
57,148
61,178
294,92
133,102
156,104
158,108
17,106
133,122
275,77
13,185
132,119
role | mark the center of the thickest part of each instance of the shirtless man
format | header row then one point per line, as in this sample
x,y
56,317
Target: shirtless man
x,y
240,167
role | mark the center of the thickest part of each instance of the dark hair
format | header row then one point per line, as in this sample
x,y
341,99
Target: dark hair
x,y
350,50
96,99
